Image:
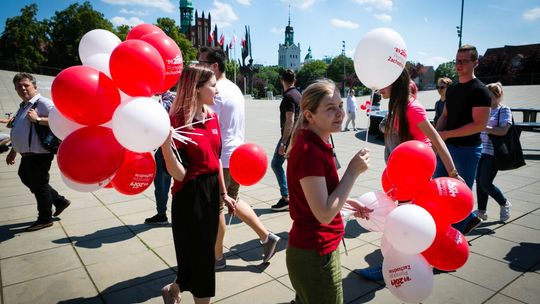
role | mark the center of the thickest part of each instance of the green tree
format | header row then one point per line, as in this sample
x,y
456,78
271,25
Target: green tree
x,y
66,30
168,25
270,75
335,71
309,72
23,41
447,69
121,31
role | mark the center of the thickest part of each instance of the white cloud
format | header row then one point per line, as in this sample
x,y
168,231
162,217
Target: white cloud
x,y
301,4
133,12
244,2
116,21
383,17
276,30
378,4
223,14
532,14
344,24
164,5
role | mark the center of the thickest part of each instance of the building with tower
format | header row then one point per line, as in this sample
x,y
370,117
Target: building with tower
x,y
289,52
200,32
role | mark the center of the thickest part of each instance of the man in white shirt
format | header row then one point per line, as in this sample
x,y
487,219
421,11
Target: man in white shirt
x,y
230,110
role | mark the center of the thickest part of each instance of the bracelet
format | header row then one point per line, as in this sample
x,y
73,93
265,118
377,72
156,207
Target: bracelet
x,y
223,193
453,173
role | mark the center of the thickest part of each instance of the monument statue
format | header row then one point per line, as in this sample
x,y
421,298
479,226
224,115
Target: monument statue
x,y
247,70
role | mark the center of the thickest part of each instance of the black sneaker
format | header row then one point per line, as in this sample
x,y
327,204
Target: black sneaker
x,y
282,205
59,210
37,225
157,219
475,222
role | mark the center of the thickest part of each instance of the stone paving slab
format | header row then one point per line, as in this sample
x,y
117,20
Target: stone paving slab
x,y
99,250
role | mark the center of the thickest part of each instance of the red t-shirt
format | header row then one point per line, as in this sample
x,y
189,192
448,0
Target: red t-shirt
x,y
202,158
415,113
311,156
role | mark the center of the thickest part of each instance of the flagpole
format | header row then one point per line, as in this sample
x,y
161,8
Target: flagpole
x,y
234,59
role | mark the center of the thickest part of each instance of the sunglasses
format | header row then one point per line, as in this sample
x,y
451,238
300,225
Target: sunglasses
x,y
463,61
441,87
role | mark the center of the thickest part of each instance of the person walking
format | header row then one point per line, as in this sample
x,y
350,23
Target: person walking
x,y
35,159
500,120
288,114
198,185
465,115
442,85
351,111
317,196
229,107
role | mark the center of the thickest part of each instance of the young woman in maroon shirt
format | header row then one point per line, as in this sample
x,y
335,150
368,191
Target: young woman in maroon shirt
x,y
198,185
317,195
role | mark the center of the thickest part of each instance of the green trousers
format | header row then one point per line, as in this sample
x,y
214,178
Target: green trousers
x,y
315,278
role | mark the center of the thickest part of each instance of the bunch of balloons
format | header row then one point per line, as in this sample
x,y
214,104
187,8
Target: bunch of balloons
x,y
103,110
417,235
366,106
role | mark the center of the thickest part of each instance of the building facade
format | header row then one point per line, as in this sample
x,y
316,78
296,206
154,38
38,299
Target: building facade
x,y
289,52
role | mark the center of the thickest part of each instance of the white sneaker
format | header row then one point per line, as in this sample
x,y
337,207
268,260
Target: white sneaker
x,y
505,212
482,214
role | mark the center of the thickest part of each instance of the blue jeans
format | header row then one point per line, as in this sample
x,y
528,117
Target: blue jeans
x,y
466,160
162,183
277,167
484,183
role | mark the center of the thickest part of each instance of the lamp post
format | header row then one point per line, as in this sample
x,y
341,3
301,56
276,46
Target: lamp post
x,y
460,27
343,54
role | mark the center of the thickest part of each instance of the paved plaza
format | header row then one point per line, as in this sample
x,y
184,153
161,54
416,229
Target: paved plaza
x,y
100,251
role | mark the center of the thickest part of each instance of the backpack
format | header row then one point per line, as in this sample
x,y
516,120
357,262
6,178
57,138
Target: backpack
x,y
48,140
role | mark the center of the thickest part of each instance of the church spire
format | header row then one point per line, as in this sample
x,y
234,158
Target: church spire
x,y
289,31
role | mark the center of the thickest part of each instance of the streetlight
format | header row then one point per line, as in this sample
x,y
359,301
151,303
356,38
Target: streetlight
x,y
460,27
343,54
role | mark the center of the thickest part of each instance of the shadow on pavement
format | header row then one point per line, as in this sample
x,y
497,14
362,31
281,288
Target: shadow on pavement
x,y
7,232
524,257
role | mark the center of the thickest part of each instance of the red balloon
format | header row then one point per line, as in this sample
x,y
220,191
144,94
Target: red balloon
x,y
90,155
135,174
85,95
143,29
449,251
137,68
248,164
411,165
171,55
386,184
363,107
447,199
368,102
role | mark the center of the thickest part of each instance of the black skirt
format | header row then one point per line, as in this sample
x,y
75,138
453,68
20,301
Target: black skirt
x,y
195,218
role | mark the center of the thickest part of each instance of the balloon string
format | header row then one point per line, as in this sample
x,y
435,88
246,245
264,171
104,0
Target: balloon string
x,y
369,114
194,123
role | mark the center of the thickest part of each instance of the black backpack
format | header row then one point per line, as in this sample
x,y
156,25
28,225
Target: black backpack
x,y
48,140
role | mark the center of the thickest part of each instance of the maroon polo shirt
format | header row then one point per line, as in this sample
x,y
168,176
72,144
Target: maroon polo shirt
x,y
311,156
203,157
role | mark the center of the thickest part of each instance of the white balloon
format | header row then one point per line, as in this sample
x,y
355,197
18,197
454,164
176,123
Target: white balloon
x,y
386,247
379,58
100,62
95,42
408,277
84,187
410,229
60,125
381,205
141,125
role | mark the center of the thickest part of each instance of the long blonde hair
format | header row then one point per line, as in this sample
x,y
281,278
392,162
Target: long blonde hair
x,y
184,105
311,99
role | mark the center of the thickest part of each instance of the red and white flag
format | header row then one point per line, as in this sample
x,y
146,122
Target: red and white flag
x,y
211,37
221,39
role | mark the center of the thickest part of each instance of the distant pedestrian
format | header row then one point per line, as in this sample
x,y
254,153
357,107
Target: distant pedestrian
x,y
288,114
442,86
500,120
351,111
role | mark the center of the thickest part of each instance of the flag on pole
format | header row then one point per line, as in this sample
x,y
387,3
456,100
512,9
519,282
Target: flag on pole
x,y
211,38
221,39
233,41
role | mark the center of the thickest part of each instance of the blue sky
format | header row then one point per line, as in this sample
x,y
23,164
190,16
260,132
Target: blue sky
x,y
428,27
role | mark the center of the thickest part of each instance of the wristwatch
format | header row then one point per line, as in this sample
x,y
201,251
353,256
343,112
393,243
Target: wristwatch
x,y
38,120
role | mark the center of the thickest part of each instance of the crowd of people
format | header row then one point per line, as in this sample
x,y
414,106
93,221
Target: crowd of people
x,y
310,187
